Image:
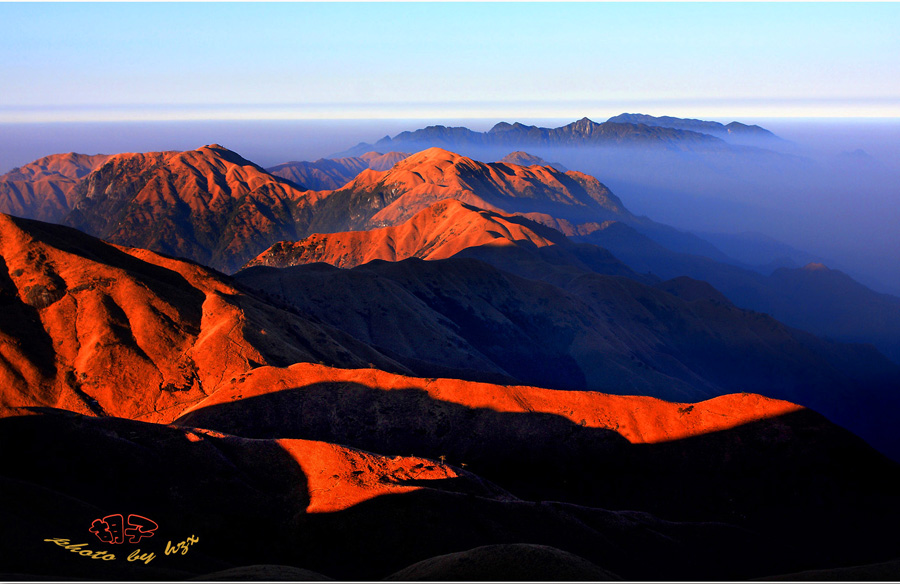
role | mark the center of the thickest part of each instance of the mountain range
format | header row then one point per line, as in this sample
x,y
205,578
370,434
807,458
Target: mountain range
x,y
734,132
216,208
595,325
583,132
436,368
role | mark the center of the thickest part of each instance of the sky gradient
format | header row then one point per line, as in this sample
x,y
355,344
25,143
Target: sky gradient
x,y
174,61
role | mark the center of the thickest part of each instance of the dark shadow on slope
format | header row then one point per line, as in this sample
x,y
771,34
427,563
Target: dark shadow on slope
x,y
60,471
803,482
246,498
679,341
23,323
245,501
395,531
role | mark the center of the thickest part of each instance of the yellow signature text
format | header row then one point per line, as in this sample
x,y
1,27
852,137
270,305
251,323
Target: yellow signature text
x,y
181,547
81,549
137,556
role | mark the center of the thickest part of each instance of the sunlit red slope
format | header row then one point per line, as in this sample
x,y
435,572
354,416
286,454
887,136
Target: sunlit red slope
x,y
377,199
449,228
439,231
43,189
208,204
98,329
638,419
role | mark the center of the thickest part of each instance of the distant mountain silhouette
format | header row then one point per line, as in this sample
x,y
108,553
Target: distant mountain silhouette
x,y
43,189
327,174
583,132
734,131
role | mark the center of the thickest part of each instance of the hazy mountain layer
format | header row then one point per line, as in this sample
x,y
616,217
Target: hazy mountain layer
x,y
813,298
43,189
525,159
328,174
732,132
584,132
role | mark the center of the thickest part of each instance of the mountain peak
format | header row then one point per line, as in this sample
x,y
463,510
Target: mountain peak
x,y
816,267
521,158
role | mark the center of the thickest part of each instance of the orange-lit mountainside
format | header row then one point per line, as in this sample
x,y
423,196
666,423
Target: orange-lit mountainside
x,y
424,366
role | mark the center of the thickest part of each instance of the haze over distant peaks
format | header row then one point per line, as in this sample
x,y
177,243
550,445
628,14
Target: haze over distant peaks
x,y
332,173
583,132
43,189
735,130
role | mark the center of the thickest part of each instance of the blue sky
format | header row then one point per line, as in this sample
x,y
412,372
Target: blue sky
x,y
130,61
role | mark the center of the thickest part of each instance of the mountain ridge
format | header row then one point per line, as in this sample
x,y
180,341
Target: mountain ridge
x,y
43,189
731,130
332,173
583,132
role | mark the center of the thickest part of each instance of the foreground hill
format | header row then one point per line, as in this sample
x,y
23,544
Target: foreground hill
x,y
102,330
678,340
294,445
328,174
340,477
535,443
43,189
